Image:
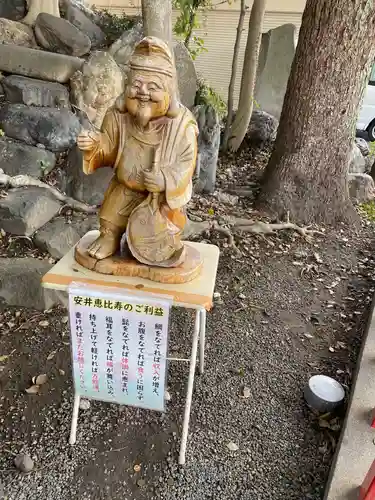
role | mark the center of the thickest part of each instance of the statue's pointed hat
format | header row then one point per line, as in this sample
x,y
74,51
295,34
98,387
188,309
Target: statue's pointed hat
x,y
152,54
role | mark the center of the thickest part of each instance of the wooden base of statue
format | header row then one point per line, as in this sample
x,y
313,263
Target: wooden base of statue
x,y
127,266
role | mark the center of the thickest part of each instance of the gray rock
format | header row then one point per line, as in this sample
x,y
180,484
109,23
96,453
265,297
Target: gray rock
x,y
53,128
38,64
59,35
361,188
369,160
84,404
262,128
208,148
122,49
17,158
357,164
82,6
96,86
363,146
31,92
276,60
58,237
24,210
79,19
13,32
24,462
20,283
186,73
87,188
13,9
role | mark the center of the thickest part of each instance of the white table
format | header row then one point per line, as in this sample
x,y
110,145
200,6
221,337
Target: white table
x,y
197,294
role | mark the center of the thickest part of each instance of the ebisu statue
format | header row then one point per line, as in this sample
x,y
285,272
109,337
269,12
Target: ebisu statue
x,y
150,140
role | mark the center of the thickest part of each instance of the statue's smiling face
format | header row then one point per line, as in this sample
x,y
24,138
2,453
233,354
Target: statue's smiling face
x,y
147,96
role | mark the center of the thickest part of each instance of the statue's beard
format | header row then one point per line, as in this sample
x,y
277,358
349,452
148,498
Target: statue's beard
x,y
144,114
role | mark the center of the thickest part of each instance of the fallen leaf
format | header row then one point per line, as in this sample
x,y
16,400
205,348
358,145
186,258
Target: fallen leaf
x,y
308,335
245,393
51,355
44,323
137,468
61,371
324,424
232,446
4,357
40,379
318,258
331,349
34,389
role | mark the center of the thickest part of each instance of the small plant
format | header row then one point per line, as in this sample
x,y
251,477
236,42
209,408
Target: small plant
x,y
367,210
208,96
188,21
112,24
371,146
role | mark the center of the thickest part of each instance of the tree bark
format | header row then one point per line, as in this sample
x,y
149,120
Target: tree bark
x,y
233,75
245,105
307,172
157,19
36,7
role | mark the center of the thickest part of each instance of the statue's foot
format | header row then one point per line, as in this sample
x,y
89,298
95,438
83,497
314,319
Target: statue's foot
x,y
104,246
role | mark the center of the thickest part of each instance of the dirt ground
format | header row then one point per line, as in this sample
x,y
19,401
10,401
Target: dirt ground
x,y
285,309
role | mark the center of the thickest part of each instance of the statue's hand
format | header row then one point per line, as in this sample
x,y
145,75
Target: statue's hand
x,y
154,182
87,140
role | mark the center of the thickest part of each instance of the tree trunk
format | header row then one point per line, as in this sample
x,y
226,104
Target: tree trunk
x,y
245,105
307,172
36,7
157,19
233,76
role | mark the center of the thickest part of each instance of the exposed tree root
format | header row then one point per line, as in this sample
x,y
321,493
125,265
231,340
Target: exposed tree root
x,y
26,181
260,227
249,226
245,193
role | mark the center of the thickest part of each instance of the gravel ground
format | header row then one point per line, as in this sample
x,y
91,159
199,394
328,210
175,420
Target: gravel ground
x,y
287,309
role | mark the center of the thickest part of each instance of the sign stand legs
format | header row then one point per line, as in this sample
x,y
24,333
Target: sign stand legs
x,y
73,429
198,338
199,335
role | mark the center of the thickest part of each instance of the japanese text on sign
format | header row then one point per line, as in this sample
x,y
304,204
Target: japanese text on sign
x,y
119,346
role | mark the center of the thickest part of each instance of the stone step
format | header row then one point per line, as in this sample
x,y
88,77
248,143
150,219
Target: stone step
x,y
38,64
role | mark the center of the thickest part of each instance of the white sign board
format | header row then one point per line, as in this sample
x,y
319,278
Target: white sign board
x,y
119,346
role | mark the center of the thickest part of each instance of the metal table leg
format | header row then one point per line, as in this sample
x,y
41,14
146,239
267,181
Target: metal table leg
x,y
202,339
73,429
193,364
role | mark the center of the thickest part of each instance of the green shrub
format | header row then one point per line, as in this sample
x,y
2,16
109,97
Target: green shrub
x,y
208,96
372,149
368,210
112,24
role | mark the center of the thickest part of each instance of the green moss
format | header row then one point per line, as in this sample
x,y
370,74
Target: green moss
x,y
372,149
367,210
112,24
209,97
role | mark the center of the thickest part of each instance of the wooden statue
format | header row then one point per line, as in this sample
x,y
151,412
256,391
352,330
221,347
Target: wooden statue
x,y
150,139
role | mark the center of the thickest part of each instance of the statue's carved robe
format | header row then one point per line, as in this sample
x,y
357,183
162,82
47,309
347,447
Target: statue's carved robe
x,y
131,151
